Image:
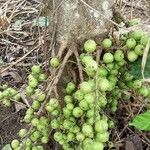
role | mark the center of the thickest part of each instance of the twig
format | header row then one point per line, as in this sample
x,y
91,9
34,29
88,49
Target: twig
x,y
22,58
79,65
53,83
96,80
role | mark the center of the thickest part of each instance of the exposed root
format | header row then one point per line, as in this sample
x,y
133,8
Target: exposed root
x,y
54,82
79,65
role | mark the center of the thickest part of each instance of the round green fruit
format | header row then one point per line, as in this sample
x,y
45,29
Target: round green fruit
x,y
77,112
68,99
22,133
95,145
139,50
83,105
144,91
137,84
36,105
144,40
136,35
108,58
85,87
102,137
90,46
80,137
54,62
132,56
44,140
15,144
79,95
119,56
102,71
107,43
103,85
130,43
36,69
87,130
101,126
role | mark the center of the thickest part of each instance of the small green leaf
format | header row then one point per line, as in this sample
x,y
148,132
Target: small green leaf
x,y
7,147
41,22
142,121
135,68
17,25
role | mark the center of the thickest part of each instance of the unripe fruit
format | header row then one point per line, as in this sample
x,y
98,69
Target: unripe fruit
x,y
70,87
36,105
44,140
87,130
28,142
66,112
70,106
111,124
86,59
49,108
103,85
83,105
119,56
55,113
41,96
133,22
136,35
29,90
101,126
15,144
57,136
137,84
68,99
42,77
85,87
70,136
77,112
1,95
35,122
144,91
36,69
89,98
67,124
131,43
132,56
102,72
90,46
28,118
110,66
144,40
22,133
139,50
54,62
108,58
107,43
96,146
113,108
80,137
102,137
33,83
79,95
76,129
5,93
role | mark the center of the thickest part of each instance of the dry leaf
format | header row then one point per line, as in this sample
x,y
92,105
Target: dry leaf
x,y
144,58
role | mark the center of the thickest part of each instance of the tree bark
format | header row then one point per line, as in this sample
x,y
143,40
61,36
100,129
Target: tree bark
x,y
81,19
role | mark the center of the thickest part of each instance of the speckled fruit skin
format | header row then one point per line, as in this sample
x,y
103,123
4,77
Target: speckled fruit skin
x,y
107,43
90,46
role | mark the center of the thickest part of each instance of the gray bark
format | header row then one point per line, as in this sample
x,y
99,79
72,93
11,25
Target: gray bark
x,y
77,21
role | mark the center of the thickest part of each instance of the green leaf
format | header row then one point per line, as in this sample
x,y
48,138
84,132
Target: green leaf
x,y
7,147
41,22
135,68
142,121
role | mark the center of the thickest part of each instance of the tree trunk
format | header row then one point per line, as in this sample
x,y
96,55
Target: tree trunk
x,y
81,19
